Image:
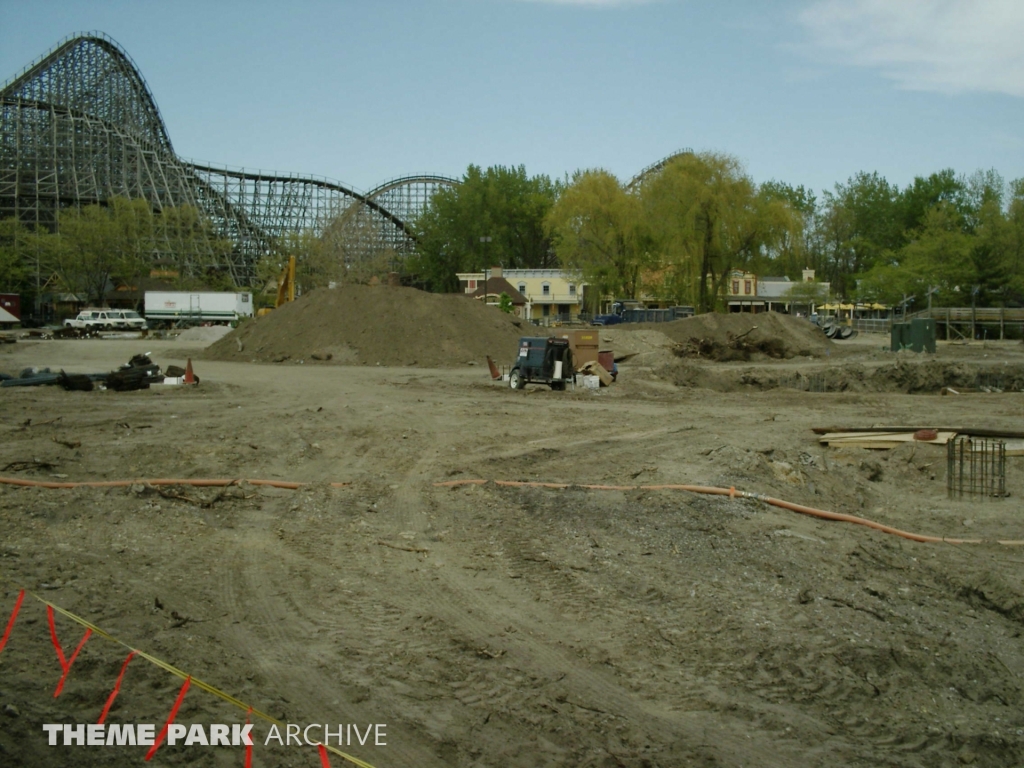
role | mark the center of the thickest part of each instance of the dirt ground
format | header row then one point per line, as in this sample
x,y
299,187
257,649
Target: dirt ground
x,y
497,626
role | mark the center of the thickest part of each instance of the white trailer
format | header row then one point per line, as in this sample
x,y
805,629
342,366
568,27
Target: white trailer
x,y
195,307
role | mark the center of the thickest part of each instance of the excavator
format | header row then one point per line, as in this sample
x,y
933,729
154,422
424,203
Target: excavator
x,y
285,288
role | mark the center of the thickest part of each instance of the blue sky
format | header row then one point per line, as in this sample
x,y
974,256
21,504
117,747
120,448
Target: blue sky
x,y
805,91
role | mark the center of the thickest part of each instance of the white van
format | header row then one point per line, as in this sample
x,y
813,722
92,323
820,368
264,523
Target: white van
x,y
107,320
127,319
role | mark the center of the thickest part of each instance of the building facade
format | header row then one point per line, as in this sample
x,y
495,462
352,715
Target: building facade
x,y
747,292
549,293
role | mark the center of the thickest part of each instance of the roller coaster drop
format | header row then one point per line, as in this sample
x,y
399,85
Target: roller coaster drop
x,y
80,126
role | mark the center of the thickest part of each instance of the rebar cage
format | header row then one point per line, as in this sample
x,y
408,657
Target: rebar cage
x,y
975,467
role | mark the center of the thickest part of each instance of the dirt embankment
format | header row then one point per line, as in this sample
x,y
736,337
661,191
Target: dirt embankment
x,y
906,376
489,625
378,325
743,336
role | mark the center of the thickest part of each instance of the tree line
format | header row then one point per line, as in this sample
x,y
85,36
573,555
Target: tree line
x,y
679,231
96,247
676,233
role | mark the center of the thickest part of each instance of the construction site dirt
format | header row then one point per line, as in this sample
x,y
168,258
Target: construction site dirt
x,y
497,625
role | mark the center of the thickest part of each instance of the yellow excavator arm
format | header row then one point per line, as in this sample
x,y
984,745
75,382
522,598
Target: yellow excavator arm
x,y
285,287
286,283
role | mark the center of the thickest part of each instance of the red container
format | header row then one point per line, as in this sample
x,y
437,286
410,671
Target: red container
x,y
607,359
11,302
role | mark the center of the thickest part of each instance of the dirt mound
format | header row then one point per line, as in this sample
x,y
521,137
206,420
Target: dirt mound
x,y
385,325
743,336
638,348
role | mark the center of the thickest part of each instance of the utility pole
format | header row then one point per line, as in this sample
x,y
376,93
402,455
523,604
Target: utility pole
x,y
486,240
974,312
907,299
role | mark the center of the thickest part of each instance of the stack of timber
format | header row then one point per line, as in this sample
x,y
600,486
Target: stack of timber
x,y
884,440
887,437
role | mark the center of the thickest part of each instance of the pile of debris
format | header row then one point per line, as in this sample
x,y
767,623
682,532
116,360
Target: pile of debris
x,y
743,336
138,373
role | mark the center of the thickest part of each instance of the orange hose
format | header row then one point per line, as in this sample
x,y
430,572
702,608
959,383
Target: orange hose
x,y
159,481
733,493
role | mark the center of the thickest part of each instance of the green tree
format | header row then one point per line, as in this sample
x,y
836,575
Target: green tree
x,y
187,244
81,253
133,239
807,292
505,303
939,255
794,248
15,271
493,217
97,246
707,218
598,231
924,193
861,226
1012,252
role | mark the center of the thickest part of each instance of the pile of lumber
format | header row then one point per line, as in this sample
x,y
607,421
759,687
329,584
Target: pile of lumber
x,y
887,438
884,440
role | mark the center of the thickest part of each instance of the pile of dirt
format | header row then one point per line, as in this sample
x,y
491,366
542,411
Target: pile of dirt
x,y
638,348
743,336
378,325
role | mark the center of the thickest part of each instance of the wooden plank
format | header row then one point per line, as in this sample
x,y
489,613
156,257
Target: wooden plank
x,y
882,440
974,431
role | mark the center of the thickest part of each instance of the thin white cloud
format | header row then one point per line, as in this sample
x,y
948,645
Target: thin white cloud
x,y
950,46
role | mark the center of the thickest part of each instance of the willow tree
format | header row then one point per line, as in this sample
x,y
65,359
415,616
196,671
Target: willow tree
x,y
707,218
598,231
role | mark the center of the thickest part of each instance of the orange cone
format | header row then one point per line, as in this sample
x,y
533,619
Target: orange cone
x,y
494,369
190,378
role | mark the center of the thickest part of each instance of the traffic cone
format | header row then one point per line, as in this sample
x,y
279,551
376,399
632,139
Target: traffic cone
x,y
190,378
494,369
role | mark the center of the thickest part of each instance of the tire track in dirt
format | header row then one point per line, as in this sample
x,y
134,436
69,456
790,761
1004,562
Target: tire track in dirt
x,y
642,624
473,613
285,640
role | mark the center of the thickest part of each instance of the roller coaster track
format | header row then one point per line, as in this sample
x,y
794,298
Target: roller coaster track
x,y
80,126
637,181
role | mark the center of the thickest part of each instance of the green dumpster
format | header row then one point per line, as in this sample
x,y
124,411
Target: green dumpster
x,y
900,336
922,335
